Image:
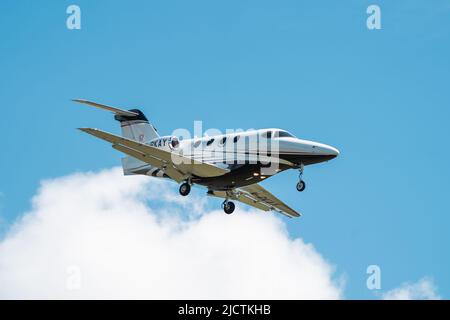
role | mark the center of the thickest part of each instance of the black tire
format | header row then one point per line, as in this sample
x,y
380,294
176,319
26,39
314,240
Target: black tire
x,y
301,185
185,188
228,207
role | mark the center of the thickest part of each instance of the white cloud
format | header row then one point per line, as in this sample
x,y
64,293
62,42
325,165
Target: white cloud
x,y
424,289
102,235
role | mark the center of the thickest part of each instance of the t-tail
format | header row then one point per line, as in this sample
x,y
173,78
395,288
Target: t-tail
x,y
135,126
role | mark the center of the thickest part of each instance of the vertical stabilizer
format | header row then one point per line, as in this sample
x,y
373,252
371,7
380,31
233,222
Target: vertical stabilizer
x,y
136,127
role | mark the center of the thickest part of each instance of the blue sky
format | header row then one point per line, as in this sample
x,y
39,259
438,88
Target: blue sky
x,y
312,68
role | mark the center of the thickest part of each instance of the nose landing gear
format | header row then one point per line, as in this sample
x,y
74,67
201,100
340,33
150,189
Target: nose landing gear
x,y
301,185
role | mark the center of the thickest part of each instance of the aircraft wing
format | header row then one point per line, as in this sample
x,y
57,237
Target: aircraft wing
x,y
258,197
174,165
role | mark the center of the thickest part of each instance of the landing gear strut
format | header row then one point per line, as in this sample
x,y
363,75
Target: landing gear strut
x,y
228,207
185,188
301,185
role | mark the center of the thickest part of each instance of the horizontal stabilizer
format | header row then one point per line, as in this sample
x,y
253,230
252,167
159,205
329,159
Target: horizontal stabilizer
x,y
109,108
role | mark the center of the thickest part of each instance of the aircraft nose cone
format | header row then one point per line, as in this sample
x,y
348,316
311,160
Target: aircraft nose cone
x,y
326,150
333,151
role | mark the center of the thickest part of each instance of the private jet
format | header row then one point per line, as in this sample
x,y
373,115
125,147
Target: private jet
x,y
230,165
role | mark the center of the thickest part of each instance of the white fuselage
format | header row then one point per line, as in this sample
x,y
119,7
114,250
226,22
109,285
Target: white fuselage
x,y
244,153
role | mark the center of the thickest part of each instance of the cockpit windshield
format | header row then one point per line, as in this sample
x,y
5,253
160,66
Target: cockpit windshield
x,y
283,134
276,134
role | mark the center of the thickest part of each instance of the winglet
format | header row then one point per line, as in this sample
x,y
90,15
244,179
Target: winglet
x,y
109,108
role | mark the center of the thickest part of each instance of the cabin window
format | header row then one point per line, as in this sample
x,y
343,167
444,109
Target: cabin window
x,y
222,142
197,143
210,142
236,139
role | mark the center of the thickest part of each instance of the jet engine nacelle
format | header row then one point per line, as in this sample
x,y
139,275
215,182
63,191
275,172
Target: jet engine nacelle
x,y
168,141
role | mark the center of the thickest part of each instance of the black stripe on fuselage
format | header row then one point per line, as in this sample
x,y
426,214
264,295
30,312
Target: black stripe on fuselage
x,y
244,174
295,158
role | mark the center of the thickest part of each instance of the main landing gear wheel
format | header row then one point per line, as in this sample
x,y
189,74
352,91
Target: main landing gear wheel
x,y
301,185
185,188
228,207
